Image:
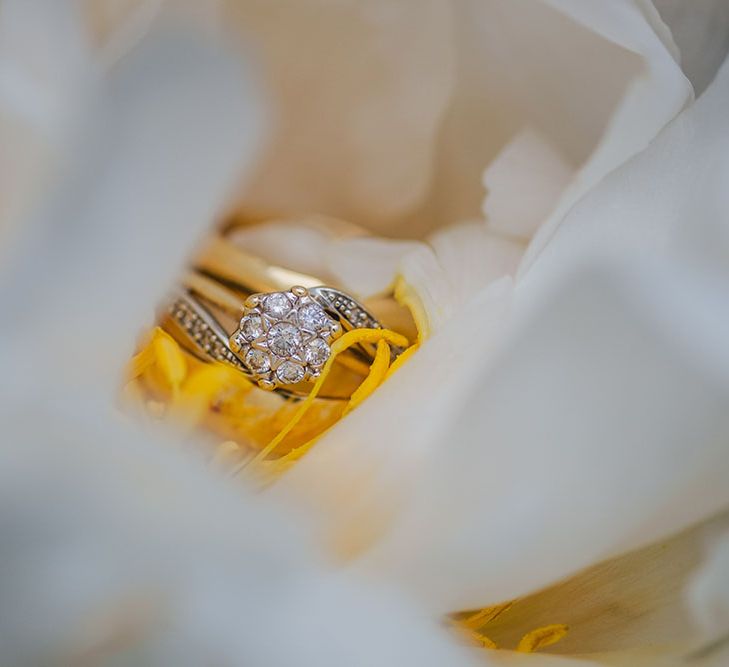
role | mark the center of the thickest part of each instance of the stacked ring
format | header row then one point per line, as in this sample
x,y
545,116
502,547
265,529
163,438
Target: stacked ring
x,y
237,309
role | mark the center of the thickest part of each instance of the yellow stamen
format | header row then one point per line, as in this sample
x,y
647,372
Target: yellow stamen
x,y
141,361
375,377
485,615
198,392
472,624
480,640
170,360
349,339
541,638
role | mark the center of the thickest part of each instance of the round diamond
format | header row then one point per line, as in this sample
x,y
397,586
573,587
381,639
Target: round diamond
x,y
290,373
277,304
284,339
252,326
258,361
312,317
316,352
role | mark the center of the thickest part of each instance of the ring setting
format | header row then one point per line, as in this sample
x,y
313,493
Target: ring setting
x,y
281,340
284,338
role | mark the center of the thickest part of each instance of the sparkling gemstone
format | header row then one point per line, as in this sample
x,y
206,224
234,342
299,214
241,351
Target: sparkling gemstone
x,y
258,361
316,352
312,317
252,326
277,304
284,339
290,373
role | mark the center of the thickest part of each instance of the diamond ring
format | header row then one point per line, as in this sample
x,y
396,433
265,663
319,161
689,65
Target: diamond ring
x,y
283,338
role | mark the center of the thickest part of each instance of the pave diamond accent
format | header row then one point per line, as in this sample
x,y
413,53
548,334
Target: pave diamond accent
x,y
354,313
284,337
191,318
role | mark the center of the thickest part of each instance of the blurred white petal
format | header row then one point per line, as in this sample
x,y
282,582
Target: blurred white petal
x,y
701,31
388,113
669,201
44,74
519,67
359,91
658,93
460,263
709,593
523,184
165,135
369,266
472,257
116,546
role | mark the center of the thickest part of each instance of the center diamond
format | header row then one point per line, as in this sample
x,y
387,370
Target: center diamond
x,y
284,339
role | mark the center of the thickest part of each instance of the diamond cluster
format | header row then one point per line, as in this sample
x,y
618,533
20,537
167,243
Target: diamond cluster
x,y
284,337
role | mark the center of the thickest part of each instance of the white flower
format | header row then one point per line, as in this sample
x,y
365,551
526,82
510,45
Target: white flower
x,y
568,406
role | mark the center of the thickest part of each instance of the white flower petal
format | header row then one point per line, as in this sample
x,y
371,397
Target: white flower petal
x,y
652,99
472,257
599,429
369,265
670,200
119,547
701,31
709,593
45,71
164,137
523,184
537,65
626,368
362,473
462,261
359,90
455,264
